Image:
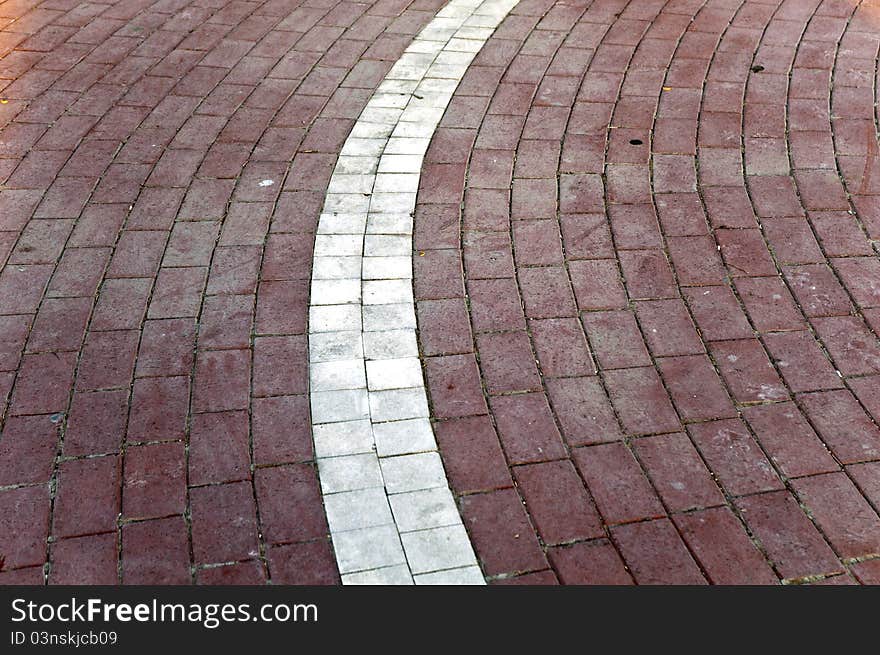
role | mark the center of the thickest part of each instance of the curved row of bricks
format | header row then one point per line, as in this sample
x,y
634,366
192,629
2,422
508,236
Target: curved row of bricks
x,y
163,167
649,293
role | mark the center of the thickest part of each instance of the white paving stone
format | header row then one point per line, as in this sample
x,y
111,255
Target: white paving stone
x,y
340,223
357,164
379,318
334,318
333,406
404,437
401,223
383,292
413,472
398,404
437,549
353,510
344,438
331,376
335,346
336,268
394,373
387,268
349,473
338,245
397,182
390,344
387,245
422,510
336,292
370,548
401,164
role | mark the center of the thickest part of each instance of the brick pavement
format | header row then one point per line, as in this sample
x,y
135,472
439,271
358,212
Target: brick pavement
x,y
647,279
645,265
163,165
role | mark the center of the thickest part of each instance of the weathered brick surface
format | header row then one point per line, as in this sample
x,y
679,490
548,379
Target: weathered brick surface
x,y
660,211
143,423
647,301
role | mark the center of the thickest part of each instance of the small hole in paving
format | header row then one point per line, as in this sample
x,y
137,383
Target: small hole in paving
x,y
635,142
757,68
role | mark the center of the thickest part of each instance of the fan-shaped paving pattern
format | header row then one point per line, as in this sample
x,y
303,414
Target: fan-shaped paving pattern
x,y
649,292
163,165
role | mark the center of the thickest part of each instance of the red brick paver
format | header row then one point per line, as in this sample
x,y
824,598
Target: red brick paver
x,y
667,243
162,166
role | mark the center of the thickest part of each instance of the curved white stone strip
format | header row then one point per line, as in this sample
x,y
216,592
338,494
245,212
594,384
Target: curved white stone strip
x,y
392,517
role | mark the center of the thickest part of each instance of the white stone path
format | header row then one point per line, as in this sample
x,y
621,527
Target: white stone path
x,y
392,517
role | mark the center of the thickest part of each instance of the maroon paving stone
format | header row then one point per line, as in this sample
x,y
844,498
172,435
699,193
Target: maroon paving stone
x,y
641,401
789,440
655,553
852,346
495,305
617,483
801,361
717,313
492,520
817,290
695,388
583,411
597,285
535,578
290,503
734,457
747,371
24,517
96,423
85,560
596,562
444,327
867,572
558,502
28,449
526,428
843,425
454,381
867,477
561,348
677,472
857,274
841,512
156,552
88,496
769,304
507,362
791,541
158,409
546,292
154,481
309,563
224,522
739,562
43,383
472,454
615,339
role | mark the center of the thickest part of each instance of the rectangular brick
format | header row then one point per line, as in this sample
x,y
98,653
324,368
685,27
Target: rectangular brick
x,y
88,499
558,502
655,553
617,484
677,472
